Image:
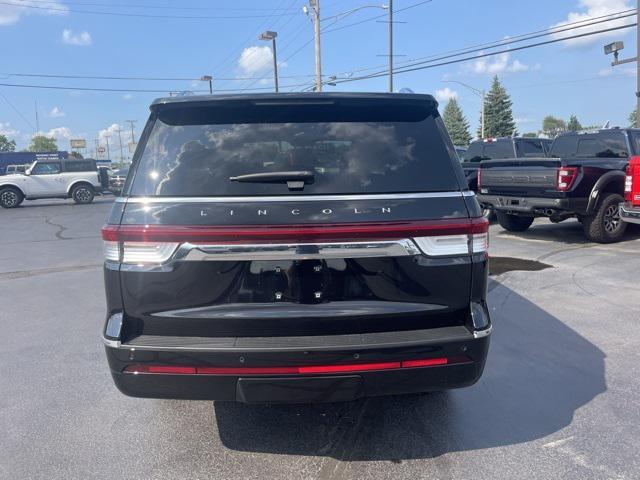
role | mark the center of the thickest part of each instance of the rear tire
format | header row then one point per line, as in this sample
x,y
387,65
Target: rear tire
x,y
82,194
10,197
514,223
605,224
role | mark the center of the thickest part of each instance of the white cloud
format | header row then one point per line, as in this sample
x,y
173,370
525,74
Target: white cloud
x,y
7,130
59,133
499,64
254,59
445,94
80,39
127,96
592,9
111,131
11,13
57,113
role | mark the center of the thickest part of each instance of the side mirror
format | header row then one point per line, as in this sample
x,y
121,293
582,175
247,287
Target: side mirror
x,y
27,172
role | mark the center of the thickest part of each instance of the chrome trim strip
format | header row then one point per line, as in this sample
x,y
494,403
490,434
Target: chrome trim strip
x,y
292,198
298,251
111,343
483,333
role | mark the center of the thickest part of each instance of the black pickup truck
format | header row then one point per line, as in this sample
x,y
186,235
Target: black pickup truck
x,y
500,148
583,177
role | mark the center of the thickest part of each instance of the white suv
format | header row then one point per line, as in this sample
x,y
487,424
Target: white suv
x,y
73,178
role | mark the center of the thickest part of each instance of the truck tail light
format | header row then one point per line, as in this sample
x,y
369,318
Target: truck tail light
x,y
155,244
632,182
566,178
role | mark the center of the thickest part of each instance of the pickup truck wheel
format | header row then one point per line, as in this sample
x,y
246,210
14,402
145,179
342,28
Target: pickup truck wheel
x,y
82,194
514,223
605,225
10,197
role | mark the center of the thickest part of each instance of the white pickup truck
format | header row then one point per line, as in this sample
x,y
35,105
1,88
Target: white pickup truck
x,y
72,178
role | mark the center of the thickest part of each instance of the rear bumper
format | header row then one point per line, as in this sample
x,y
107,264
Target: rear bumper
x,y
629,213
533,205
465,350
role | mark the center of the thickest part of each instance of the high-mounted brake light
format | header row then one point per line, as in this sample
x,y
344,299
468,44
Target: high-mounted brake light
x,y
566,178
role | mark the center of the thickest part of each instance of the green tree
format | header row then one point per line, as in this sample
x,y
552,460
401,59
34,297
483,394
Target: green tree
x,y
530,135
633,118
574,124
7,145
42,143
456,123
552,126
498,114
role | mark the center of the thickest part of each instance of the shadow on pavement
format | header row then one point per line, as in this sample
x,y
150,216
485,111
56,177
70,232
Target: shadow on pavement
x,y
569,232
61,203
539,372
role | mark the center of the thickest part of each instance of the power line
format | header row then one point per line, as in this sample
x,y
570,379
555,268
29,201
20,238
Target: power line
x,y
163,79
140,15
475,57
115,90
154,7
511,39
18,111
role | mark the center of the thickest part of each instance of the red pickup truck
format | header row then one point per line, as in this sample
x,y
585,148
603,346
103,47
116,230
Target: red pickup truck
x,y
630,208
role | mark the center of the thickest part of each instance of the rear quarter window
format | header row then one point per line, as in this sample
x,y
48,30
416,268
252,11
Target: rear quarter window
x,y
594,145
195,155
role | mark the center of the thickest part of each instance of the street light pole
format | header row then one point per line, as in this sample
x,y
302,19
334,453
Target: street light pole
x,y
269,35
208,78
106,137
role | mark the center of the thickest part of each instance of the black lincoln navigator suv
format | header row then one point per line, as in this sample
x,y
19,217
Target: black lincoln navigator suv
x,y
295,248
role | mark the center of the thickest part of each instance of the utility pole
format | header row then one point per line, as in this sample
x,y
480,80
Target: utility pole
x,y
37,119
390,46
121,151
133,137
315,9
106,137
97,144
484,94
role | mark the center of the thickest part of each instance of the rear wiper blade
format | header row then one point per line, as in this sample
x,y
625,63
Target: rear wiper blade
x,y
295,180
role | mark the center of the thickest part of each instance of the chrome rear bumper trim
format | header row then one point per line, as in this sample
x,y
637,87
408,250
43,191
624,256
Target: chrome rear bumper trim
x,y
299,251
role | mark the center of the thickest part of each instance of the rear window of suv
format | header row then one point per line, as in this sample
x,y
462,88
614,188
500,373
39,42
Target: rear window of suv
x,y
592,145
349,150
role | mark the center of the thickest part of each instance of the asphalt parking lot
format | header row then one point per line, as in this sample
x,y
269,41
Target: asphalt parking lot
x,y
560,397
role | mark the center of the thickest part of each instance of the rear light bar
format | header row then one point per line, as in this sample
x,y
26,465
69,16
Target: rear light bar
x,y
152,244
566,177
294,370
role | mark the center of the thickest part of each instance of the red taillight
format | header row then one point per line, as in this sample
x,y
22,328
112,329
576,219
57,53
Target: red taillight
x,y
156,244
297,233
294,370
632,182
566,177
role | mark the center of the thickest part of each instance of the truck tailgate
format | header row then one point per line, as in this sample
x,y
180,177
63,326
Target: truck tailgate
x,y
519,177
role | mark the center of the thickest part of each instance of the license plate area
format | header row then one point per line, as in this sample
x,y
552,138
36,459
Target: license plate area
x,y
299,390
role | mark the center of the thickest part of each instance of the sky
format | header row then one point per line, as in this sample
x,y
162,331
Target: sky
x,y
185,40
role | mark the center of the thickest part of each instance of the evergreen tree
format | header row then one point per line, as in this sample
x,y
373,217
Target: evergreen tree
x,y
456,123
574,125
498,114
633,118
